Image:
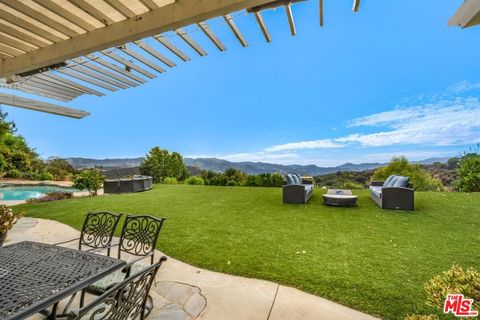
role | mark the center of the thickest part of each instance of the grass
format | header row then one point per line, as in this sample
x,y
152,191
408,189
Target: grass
x,y
373,260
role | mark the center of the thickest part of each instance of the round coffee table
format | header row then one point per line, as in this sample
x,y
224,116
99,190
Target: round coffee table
x,y
340,198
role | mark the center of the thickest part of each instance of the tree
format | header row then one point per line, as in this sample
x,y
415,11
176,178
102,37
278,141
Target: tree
x,y
59,168
159,164
468,174
176,167
419,178
89,179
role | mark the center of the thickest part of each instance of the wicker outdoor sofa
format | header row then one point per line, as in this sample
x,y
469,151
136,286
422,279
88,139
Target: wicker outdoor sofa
x,y
297,189
394,193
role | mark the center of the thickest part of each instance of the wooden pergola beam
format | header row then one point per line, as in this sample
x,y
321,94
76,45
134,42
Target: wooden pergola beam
x,y
20,102
263,26
163,19
229,20
209,33
467,15
192,43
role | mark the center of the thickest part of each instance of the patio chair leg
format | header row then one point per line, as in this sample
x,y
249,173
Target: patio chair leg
x,y
148,306
82,298
53,314
65,310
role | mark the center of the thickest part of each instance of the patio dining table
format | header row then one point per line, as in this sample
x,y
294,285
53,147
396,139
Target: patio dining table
x,y
35,276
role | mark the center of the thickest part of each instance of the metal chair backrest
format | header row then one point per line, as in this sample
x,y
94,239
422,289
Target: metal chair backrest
x,y
139,235
98,229
125,301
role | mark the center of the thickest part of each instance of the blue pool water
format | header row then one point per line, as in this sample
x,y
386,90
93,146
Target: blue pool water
x,y
26,192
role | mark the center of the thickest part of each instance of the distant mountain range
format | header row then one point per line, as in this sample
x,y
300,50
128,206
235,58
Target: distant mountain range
x,y
220,165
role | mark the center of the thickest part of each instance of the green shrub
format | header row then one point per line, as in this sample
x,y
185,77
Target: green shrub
x,y
419,178
353,185
89,179
456,280
170,180
14,174
468,174
45,176
231,183
194,181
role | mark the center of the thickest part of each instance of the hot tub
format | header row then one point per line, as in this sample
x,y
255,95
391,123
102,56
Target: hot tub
x,y
135,184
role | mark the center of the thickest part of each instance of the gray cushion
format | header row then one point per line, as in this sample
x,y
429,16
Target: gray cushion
x,y
297,181
376,191
290,179
392,182
299,178
102,285
386,183
401,182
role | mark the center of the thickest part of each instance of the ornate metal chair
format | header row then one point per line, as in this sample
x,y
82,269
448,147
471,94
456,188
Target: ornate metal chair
x,y
139,238
97,231
127,300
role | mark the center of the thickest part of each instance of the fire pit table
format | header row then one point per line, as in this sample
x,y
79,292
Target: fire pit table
x,y
340,198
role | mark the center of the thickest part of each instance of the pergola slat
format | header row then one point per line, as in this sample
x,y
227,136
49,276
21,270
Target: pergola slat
x,y
35,105
116,68
179,53
92,11
98,76
105,72
320,9
9,50
229,20
263,26
43,19
41,92
143,60
129,64
209,33
356,5
150,4
192,43
58,79
80,76
15,43
52,89
71,91
28,26
120,7
64,13
147,48
291,21
22,36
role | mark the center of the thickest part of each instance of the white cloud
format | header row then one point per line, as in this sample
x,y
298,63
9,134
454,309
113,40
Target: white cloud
x,y
453,122
315,144
463,86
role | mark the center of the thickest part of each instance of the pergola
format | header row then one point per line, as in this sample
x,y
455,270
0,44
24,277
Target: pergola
x,y
63,49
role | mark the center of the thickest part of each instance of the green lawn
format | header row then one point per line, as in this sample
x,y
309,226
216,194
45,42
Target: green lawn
x,y
369,259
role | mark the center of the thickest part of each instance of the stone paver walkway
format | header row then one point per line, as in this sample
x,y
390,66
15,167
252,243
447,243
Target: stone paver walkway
x,y
184,292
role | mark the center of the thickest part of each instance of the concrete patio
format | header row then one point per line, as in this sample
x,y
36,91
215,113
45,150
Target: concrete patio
x,y
184,292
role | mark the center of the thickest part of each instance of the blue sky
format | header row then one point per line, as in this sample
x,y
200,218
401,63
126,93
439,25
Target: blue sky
x,y
393,79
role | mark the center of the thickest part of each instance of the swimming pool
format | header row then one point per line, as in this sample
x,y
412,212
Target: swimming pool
x,y
11,192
